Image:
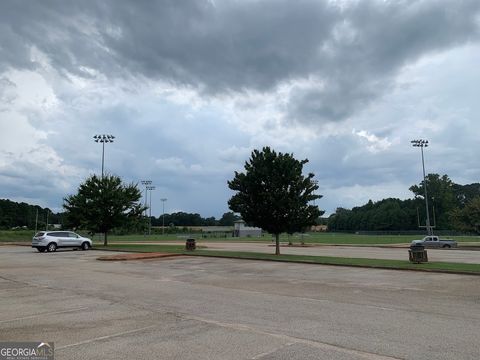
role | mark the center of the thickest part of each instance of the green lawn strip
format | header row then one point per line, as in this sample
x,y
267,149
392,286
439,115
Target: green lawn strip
x,y
343,238
16,235
310,238
324,260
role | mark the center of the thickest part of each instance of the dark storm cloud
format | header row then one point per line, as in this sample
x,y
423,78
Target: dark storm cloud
x,y
349,53
372,43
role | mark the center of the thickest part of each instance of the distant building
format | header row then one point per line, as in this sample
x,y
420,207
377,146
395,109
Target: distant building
x,y
216,231
319,228
240,230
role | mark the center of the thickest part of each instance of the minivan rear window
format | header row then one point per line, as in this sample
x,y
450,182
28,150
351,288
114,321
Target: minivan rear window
x,y
39,234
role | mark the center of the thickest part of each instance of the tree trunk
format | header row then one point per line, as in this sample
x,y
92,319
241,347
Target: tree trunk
x,y
105,242
277,244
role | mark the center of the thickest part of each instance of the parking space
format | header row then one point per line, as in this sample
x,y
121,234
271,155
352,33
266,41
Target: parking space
x,y
203,308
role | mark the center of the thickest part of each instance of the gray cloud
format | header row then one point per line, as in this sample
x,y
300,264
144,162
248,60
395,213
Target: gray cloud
x,y
353,51
309,61
7,93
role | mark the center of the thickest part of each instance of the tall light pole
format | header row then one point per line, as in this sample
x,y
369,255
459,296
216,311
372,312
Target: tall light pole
x,y
146,183
163,216
36,222
150,188
103,139
421,143
314,182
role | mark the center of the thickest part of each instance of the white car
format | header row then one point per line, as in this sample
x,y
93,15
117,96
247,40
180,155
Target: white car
x,y
435,242
51,240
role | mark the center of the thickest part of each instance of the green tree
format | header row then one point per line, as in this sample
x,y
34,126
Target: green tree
x,y
102,204
466,193
441,198
468,218
228,219
13,214
273,194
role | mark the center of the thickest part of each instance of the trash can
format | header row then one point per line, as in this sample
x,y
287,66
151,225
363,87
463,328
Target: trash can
x,y
190,244
417,254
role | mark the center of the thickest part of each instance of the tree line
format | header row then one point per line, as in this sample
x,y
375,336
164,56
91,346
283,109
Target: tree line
x,y
23,215
452,207
181,218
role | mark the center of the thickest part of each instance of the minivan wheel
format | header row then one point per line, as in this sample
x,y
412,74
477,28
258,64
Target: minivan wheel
x,y
42,249
85,246
52,247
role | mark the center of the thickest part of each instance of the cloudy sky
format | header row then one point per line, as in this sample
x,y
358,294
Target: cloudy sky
x,y
189,88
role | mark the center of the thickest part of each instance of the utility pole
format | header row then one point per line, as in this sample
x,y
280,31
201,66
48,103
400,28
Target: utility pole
x,y
36,222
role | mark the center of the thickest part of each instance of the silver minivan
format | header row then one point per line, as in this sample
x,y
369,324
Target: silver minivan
x,y
52,240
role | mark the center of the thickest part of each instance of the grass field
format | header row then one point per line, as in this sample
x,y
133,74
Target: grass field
x,y
15,235
311,238
325,260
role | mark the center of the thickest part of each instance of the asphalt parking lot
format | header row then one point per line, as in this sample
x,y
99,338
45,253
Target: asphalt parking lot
x,y
205,308
369,252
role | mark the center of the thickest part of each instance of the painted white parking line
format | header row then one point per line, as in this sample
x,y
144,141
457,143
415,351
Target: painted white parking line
x,y
44,314
293,340
261,355
104,337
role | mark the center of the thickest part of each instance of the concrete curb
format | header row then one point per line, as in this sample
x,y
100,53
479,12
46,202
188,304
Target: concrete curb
x,y
137,256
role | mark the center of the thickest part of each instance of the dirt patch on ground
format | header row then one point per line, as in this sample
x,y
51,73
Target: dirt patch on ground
x,y
137,256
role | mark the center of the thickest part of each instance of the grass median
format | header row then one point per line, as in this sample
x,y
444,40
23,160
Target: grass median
x,y
322,260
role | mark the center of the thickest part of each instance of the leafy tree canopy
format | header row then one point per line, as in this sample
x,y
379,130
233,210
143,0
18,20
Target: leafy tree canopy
x,y
468,217
273,194
228,219
441,197
102,204
14,214
444,197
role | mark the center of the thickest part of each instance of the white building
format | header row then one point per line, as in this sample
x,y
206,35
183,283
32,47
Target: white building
x,y
240,230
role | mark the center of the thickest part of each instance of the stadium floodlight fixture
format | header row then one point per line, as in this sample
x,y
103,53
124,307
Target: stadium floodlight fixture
x,y
103,138
421,143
